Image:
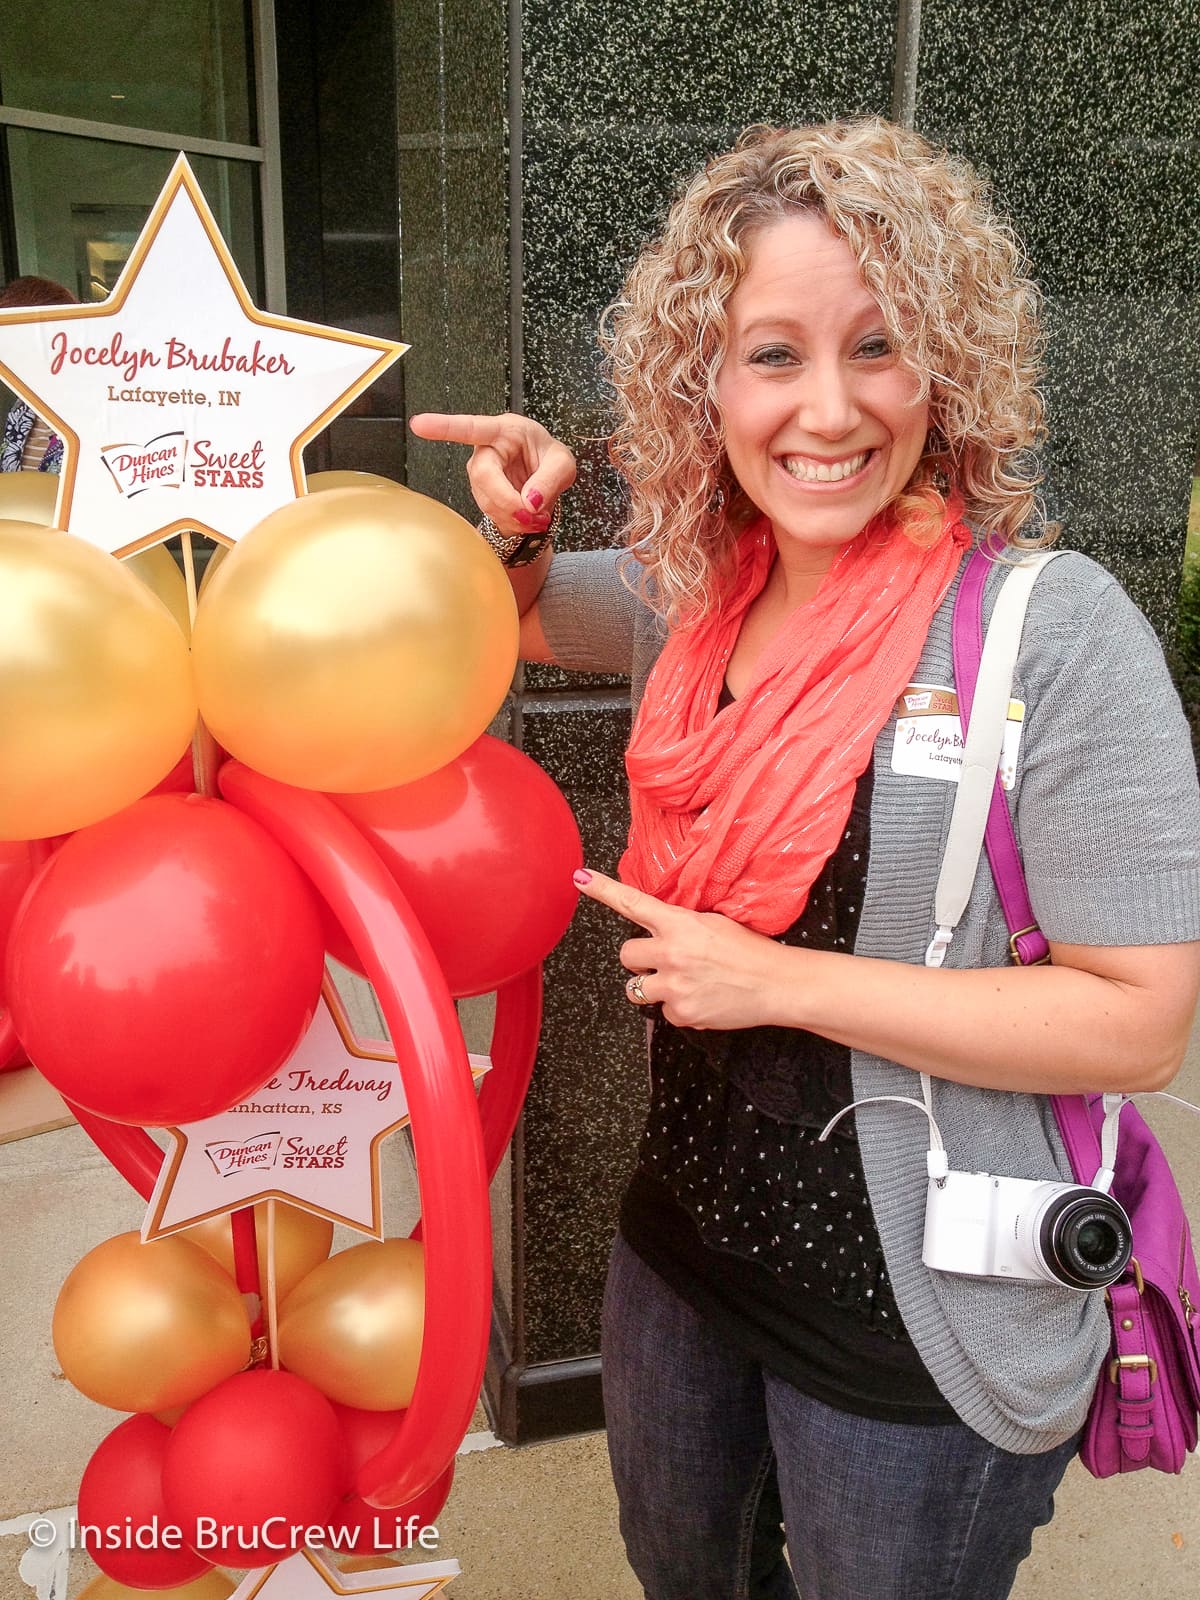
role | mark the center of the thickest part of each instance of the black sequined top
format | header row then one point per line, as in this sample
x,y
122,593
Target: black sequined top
x,y
761,1227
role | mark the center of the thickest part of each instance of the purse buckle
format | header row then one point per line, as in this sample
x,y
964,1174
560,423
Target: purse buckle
x,y
1139,1283
1015,954
1133,1364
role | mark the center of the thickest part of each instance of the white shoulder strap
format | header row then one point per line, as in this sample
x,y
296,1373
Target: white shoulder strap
x,y
981,754
981,758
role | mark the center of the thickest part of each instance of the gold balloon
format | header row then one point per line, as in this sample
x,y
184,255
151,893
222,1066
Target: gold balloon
x,y
353,1328
319,482
28,497
355,640
212,1585
97,702
302,1241
158,570
146,1327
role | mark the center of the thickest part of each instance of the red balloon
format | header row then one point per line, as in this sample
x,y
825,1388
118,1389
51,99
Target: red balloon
x,y
260,1459
166,962
16,874
483,850
369,1530
123,1523
336,942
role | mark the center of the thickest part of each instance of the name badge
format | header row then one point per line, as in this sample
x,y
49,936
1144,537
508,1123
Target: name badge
x,y
929,738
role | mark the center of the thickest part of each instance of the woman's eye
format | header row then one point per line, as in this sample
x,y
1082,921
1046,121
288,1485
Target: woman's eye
x,y
772,355
875,347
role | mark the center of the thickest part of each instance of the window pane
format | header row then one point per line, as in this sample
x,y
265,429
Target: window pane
x,y
79,204
180,67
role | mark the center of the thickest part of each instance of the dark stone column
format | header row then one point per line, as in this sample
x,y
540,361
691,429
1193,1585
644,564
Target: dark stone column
x,y
452,85
618,102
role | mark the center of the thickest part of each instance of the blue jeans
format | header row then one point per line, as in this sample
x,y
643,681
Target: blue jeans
x,y
710,1454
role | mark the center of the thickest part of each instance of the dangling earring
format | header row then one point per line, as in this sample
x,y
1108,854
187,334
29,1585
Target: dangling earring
x,y
716,502
935,448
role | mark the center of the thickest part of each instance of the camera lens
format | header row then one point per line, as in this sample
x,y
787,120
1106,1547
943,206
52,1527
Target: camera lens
x,y
1084,1238
1096,1243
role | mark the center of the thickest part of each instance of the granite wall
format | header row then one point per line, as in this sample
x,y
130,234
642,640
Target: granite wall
x,y
1087,119
537,149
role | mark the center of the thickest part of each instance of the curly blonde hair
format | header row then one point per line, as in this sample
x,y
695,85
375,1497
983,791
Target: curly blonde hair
x,y
949,277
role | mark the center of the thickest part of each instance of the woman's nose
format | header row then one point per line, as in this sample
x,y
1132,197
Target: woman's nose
x,y
828,406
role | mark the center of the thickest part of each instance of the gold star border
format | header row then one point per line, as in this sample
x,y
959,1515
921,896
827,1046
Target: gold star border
x,y
182,177
393,1575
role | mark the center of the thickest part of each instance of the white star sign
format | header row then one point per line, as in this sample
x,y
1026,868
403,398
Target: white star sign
x,y
305,1576
309,1136
181,405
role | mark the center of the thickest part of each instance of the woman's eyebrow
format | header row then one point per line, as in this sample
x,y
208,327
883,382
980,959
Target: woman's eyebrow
x,y
796,323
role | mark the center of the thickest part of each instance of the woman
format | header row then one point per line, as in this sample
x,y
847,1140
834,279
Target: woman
x,y
825,371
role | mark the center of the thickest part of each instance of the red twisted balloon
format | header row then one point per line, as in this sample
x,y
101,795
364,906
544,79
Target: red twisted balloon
x,y
518,1022
423,1023
514,1050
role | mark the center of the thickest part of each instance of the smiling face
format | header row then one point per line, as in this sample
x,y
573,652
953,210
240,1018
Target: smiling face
x,y
822,422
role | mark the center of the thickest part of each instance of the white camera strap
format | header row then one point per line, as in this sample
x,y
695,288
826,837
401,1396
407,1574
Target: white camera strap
x,y
936,1160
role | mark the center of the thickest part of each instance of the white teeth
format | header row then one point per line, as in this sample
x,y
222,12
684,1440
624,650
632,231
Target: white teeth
x,y
822,472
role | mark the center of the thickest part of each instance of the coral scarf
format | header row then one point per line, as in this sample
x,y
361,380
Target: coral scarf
x,y
738,810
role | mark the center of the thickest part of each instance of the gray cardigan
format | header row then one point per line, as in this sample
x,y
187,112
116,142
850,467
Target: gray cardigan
x,y
1108,818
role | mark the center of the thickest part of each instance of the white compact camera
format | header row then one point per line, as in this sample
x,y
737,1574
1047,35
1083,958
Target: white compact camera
x,y
989,1227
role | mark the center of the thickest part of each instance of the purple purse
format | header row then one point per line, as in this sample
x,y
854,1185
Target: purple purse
x,y
1144,1411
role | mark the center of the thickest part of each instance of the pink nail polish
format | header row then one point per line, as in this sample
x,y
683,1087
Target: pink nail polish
x,y
536,499
525,518
581,877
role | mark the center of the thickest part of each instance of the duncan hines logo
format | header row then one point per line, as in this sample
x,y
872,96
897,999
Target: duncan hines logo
x,y
166,462
160,463
230,1157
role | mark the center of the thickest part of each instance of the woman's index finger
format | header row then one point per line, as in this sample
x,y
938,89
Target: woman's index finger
x,y
457,427
632,904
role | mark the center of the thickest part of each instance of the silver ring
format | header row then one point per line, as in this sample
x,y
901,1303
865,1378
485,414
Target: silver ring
x,y
633,988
